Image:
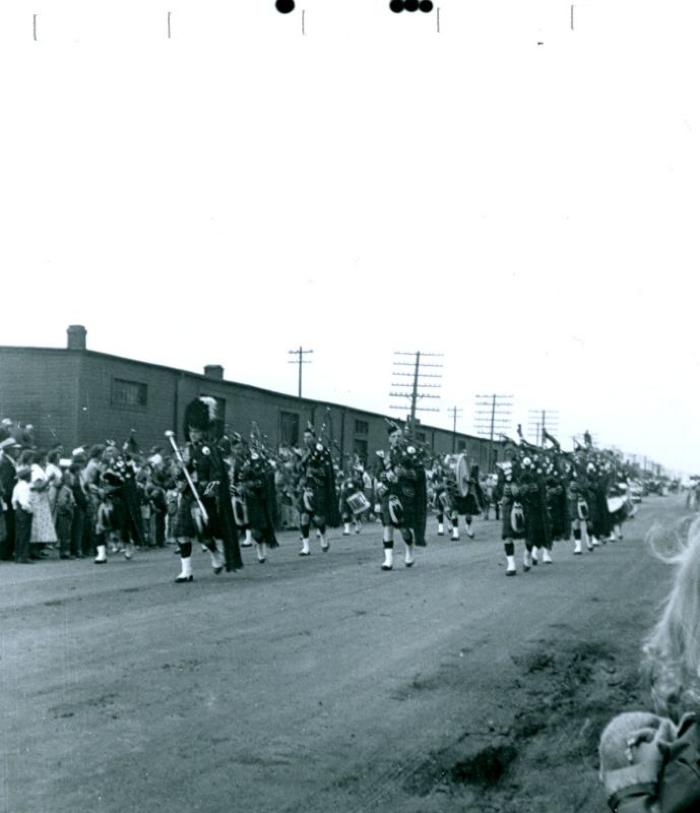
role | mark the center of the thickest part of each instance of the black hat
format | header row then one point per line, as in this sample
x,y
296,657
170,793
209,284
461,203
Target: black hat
x,y
200,414
391,426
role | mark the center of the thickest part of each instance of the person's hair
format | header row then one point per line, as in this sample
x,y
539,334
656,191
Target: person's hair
x,y
53,457
40,456
672,649
26,458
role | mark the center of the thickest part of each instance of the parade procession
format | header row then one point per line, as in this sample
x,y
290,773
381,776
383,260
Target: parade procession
x,y
223,492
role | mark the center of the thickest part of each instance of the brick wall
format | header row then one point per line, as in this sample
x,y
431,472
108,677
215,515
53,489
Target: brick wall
x,y
71,393
39,387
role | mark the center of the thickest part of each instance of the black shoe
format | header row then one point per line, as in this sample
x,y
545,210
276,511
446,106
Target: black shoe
x,y
511,572
387,567
326,548
183,579
261,561
101,561
304,553
409,564
218,570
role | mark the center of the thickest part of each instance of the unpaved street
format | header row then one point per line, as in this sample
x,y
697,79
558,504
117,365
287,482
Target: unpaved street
x,y
322,684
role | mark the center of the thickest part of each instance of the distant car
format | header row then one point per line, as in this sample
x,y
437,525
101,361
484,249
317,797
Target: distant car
x,y
636,491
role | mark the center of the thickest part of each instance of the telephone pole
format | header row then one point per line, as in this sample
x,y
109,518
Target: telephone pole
x,y
454,412
492,416
416,389
541,421
300,353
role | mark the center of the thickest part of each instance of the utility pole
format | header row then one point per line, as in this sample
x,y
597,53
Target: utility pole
x,y
540,421
492,416
416,389
300,361
454,412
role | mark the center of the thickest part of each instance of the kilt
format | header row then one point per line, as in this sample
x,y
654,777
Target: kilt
x,y
465,506
507,530
185,524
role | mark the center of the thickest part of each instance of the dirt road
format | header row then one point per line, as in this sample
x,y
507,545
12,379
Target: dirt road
x,y
323,683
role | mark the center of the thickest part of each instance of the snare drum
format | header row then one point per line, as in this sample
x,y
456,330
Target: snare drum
x,y
358,503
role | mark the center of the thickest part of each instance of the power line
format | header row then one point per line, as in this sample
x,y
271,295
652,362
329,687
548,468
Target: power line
x,y
416,389
300,353
455,412
492,414
541,421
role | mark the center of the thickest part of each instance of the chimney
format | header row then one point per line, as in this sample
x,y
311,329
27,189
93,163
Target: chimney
x,y
77,337
215,371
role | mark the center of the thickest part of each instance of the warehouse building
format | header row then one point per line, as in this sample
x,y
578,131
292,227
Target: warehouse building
x,y
79,396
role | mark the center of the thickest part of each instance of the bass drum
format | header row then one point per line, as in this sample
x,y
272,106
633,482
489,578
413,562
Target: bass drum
x,y
460,472
615,504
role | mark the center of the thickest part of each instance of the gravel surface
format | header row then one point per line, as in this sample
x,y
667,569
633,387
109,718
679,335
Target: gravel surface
x,y
323,683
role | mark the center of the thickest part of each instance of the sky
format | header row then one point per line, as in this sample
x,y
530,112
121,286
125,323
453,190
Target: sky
x,y
514,194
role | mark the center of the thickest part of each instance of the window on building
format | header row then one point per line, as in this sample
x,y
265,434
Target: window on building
x,y
361,427
359,447
129,393
289,428
461,445
420,437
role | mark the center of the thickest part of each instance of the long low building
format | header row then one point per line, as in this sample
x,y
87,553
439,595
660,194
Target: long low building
x,y
78,396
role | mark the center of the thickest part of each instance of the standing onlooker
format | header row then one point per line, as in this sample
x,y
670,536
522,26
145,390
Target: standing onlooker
x,y
81,537
22,505
9,449
54,478
43,531
65,507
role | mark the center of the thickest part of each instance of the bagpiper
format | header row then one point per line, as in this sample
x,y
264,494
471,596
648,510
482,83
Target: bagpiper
x,y
403,495
257,484
317,498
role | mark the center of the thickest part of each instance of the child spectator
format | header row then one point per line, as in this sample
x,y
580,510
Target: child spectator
x,y
65,508
22,504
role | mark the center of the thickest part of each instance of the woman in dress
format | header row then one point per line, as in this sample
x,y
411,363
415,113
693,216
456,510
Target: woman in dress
x,y
43,531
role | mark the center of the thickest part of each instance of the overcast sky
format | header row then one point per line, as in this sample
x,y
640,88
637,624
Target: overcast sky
x,y
529,210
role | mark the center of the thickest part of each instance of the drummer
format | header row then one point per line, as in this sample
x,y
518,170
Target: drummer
x,y
467,497
352,505
441,495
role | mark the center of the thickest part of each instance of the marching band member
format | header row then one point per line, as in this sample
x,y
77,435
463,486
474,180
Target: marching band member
x,y
351,486
257,483
537,526
207,472
557,503
318,502
441,498
236,455
514,518
579,511
466,506
403,497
